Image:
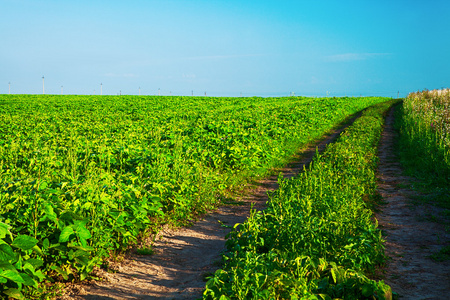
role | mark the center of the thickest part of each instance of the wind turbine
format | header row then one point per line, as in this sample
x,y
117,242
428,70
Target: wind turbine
x,y
43,86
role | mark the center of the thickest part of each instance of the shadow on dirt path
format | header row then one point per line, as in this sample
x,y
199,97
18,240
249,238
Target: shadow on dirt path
x,y
183,257
414,231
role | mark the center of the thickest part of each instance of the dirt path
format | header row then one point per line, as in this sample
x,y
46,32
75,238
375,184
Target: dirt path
x,y
184,256
414,231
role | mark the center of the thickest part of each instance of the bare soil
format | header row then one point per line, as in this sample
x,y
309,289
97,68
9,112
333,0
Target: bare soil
x,y
413,230
183,257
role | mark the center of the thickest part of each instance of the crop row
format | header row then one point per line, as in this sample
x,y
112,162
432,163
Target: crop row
x,y
317,239
83,177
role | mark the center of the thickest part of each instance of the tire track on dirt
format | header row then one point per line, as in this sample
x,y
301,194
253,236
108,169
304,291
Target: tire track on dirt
x,y
410,235
183,256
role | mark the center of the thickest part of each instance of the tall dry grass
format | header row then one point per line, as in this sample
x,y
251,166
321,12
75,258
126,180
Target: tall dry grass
x,y
425,133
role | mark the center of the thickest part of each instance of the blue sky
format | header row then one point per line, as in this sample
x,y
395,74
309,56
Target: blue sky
x,y
225,48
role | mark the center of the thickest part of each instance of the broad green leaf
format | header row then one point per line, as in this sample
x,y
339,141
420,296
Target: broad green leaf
x,y
12,275
65,234
79,253
39,274
59,247
6,252
28,267
28,280
24,242
14,293
82,232
46,244
83,276
43,185
83,242
333,274
37,250
49,212
18,264
36,263
6,266
69,216
4,230
82,260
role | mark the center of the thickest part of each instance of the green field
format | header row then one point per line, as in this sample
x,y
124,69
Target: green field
x,y
84,177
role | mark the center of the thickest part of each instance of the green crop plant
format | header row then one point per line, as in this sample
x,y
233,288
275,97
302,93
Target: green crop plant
x,y
84,177
317,238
